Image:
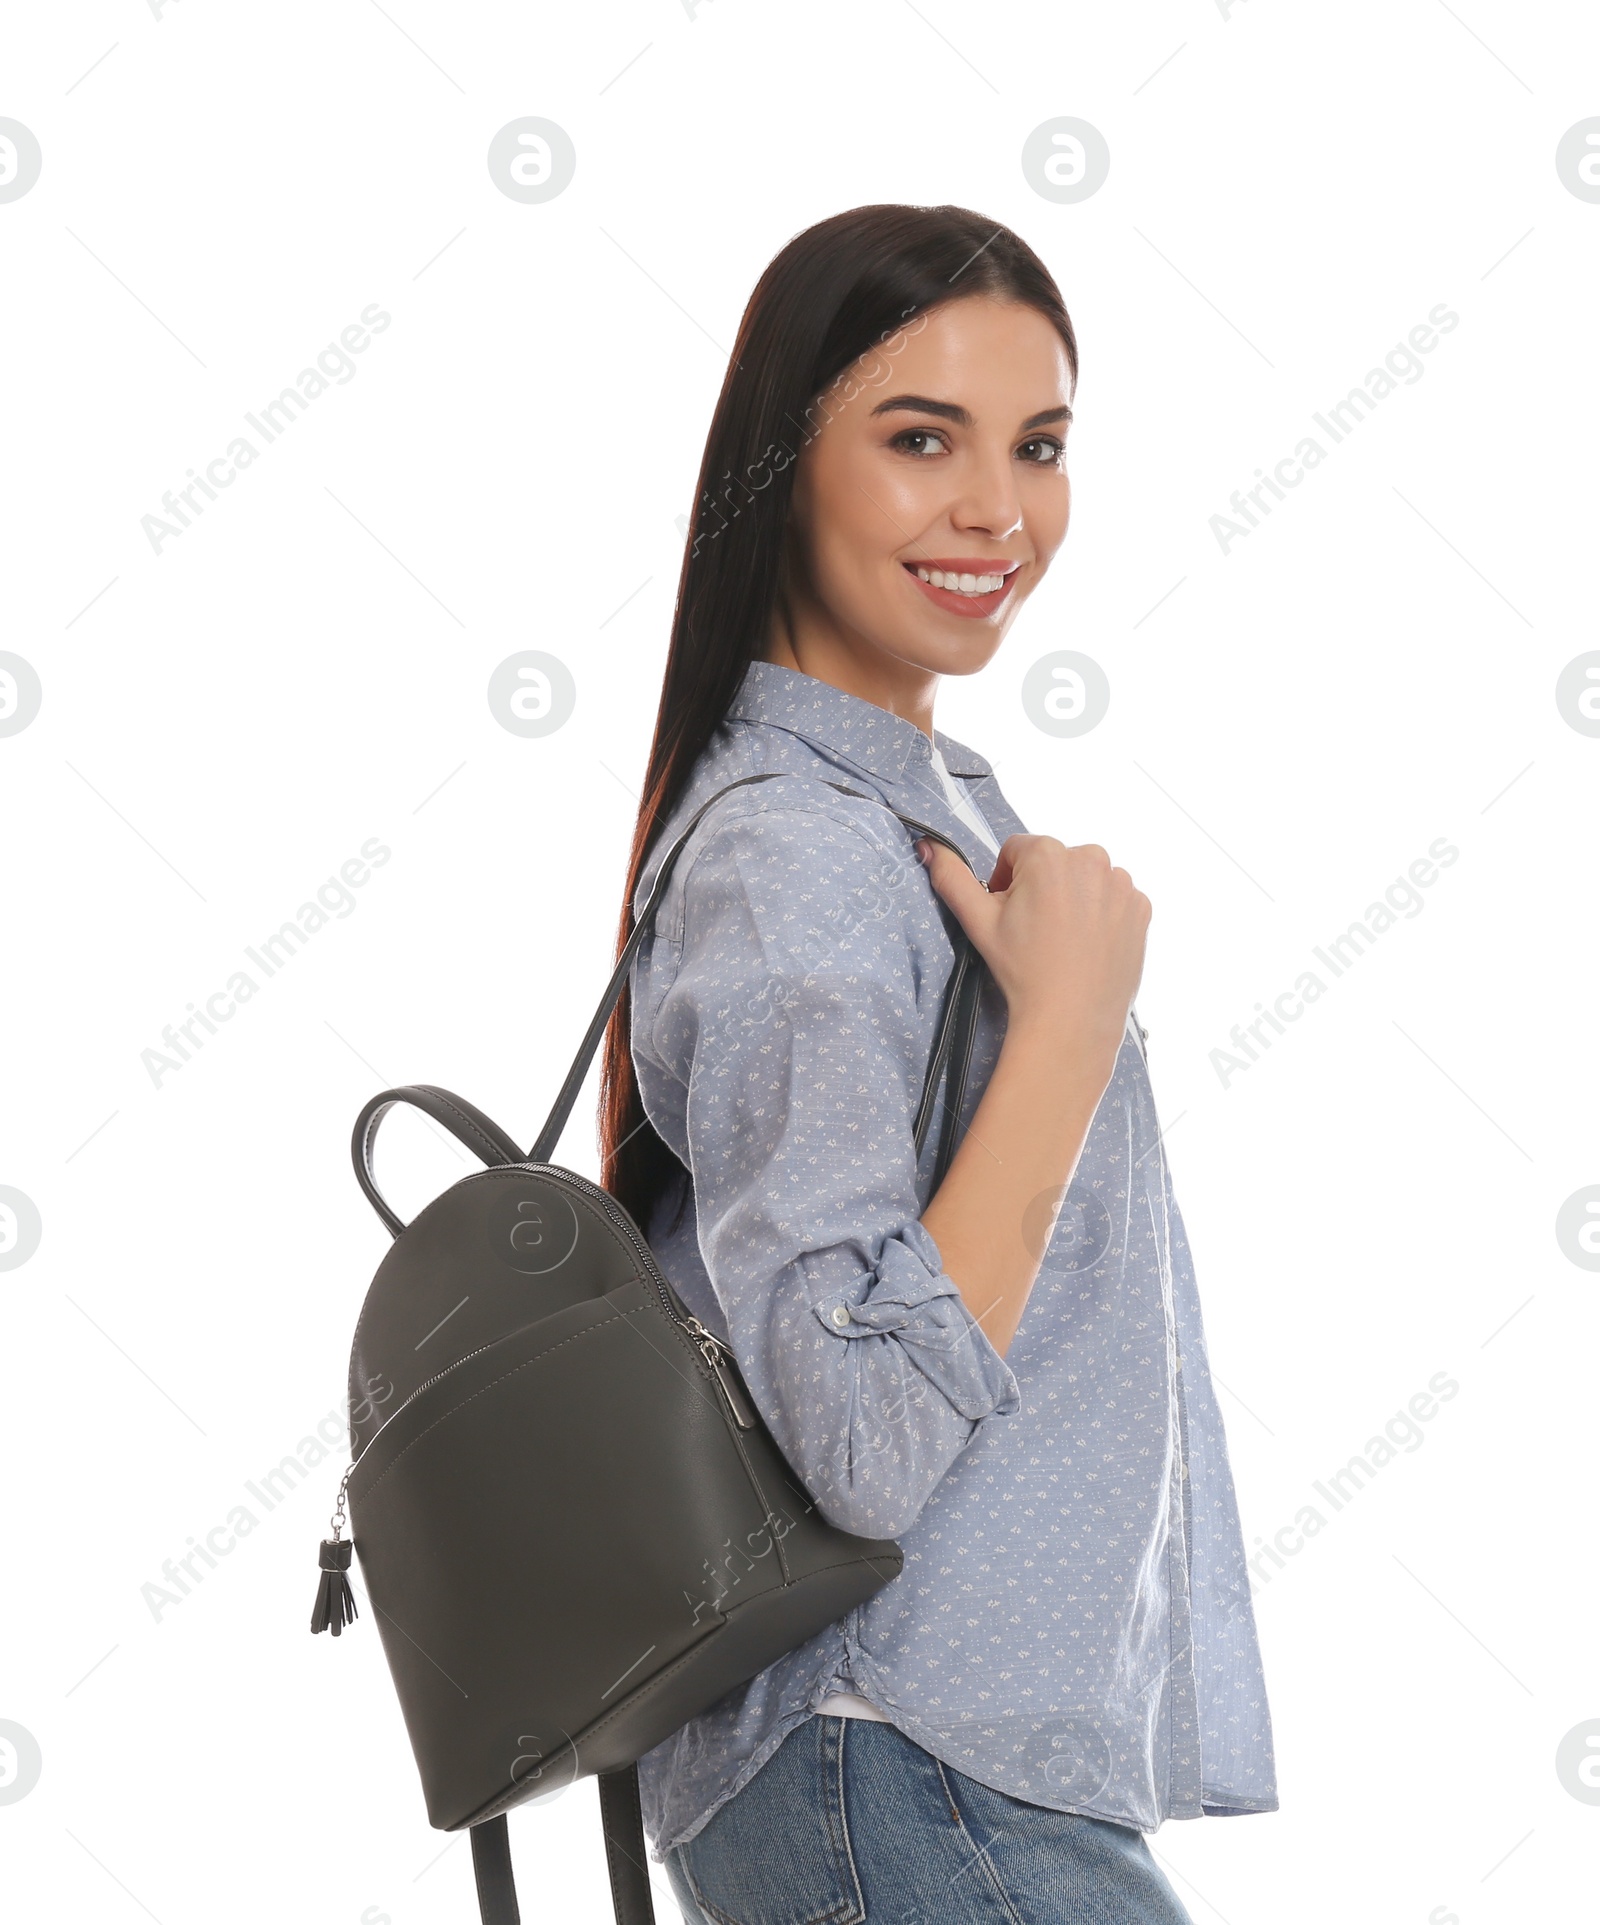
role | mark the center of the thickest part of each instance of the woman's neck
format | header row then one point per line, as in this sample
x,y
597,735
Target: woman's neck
x,y
817,649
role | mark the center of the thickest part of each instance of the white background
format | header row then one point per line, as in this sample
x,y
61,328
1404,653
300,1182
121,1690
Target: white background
x,y
1292,189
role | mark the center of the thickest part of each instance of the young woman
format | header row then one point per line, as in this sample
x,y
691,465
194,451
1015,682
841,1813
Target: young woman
x,y
1006,1372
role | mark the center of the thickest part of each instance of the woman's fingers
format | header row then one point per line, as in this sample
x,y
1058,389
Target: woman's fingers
x,y
1061,929
959,888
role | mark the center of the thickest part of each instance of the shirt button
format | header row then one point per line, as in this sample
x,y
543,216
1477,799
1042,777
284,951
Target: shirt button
x,y
841,1316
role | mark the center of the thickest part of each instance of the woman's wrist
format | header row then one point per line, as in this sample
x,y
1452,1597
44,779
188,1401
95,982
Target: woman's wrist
x,y
1060,1036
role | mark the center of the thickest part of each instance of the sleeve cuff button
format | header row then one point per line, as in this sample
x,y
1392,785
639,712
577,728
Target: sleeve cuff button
x,y
841,1316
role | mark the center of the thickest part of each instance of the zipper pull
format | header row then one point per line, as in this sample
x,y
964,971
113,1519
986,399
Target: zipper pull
x,y
336,1605
715,1353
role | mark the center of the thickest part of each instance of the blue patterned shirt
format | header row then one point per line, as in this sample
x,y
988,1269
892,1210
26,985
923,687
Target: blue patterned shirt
x,y
1072,1624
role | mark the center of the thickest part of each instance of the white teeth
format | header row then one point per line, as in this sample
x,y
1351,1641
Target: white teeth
x,y
960,584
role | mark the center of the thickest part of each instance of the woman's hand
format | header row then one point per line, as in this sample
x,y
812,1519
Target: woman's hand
x,y
1063,933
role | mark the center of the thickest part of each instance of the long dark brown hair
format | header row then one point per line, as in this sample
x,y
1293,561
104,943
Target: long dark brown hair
x,y
838,291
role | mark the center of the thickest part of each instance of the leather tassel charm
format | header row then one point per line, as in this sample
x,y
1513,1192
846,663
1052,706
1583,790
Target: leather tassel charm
x,y
336,1604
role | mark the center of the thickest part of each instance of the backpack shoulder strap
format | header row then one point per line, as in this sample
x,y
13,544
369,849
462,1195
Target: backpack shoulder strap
x,y
492,1873
623,1823
967,964
545,1143
483,1136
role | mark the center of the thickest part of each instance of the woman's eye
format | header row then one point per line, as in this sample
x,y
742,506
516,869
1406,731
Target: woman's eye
x,y
1043,448
919,441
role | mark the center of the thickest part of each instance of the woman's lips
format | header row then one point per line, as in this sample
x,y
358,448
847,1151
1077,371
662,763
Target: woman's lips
x,y
953,600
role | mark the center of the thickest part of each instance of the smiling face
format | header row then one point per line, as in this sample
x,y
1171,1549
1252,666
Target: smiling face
x,y
930,503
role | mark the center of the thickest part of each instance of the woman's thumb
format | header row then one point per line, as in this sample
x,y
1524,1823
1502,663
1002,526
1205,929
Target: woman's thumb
x,y
955,883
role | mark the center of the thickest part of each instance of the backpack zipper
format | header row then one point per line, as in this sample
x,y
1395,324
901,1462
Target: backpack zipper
x,y
711,1348
716,1353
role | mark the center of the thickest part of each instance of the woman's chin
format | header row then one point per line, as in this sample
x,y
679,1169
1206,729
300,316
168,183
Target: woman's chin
x,y
953,646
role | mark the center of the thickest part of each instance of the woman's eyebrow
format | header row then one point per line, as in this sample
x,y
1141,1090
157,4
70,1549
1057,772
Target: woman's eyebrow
x,y
920,404
952,411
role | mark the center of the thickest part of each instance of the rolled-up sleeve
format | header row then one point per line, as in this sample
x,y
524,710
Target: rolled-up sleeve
x,y
781,1048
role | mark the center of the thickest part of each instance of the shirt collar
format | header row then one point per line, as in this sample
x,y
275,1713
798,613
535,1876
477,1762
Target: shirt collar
x,y
845,725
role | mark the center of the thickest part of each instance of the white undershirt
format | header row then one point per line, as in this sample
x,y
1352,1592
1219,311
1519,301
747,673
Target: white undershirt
x,y
961,801
845,1704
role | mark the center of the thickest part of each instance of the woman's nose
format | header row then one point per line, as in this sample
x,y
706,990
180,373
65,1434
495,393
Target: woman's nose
x,y
989,503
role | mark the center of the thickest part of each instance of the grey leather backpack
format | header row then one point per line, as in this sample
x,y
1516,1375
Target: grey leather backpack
x,y
574,1529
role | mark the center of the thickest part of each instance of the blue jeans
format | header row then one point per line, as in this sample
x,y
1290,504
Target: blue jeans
x,y
850,1823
